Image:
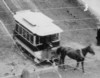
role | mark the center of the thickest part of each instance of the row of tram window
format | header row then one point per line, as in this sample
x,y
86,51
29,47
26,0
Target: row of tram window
x,y
24,33
33,38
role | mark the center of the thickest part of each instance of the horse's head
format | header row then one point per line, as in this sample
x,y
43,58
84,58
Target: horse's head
x,y
90,50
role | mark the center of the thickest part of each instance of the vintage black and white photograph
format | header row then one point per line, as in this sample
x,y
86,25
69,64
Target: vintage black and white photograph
x,y
49,38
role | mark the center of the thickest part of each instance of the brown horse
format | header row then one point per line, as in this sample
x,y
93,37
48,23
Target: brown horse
x,y
78,54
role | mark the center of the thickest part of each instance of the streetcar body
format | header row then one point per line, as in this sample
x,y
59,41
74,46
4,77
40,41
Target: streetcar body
x,y
33,29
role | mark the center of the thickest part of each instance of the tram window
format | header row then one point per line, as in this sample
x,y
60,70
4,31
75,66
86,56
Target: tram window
x,y
20,30
42,39
37,39
31,38
48,38
24,33
28,36
16,27
54,37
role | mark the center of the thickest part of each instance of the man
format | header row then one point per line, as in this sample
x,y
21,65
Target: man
x,y
47,45
98,36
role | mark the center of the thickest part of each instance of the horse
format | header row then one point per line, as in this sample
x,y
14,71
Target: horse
x,y
76,54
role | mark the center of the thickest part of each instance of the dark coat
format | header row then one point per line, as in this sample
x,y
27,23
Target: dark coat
x,y
98,35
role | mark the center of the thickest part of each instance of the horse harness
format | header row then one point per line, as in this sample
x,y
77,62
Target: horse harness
x,y
81,53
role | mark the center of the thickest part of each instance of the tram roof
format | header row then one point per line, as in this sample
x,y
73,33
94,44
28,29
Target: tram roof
x,y
37,22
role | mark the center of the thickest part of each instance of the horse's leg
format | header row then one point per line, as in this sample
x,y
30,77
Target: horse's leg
x,y
82,63
77,65
62,61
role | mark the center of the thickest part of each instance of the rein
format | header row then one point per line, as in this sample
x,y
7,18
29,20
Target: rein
x,y
81,53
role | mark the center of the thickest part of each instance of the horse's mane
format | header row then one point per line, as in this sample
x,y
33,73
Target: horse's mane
x,y
87,47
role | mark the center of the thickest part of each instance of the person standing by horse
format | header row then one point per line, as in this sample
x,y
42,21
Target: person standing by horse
x,y
98,36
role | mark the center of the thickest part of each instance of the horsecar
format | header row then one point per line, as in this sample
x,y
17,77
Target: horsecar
x,y
33,30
